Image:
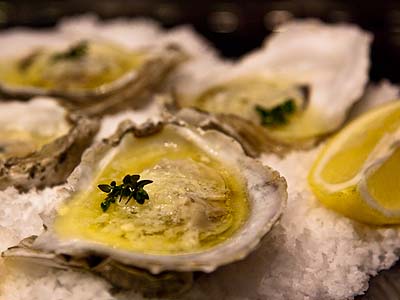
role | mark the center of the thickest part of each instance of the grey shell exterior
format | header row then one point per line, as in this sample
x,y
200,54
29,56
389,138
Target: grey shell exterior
x,y
130,91
173,270
166,284
53,163
254,138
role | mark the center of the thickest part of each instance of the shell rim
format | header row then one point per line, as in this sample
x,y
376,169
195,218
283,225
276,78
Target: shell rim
x,y
73,120
207,260
102,91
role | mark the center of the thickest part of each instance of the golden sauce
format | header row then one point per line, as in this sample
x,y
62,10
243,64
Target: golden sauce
x,y
102,64
162,225
240,97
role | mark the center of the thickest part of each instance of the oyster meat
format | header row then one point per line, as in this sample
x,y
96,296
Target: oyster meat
x,y
94,76
209,205
296,89
81,66
40,143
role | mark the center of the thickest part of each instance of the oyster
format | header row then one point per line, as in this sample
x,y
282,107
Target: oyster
x,y
40,143
298,88
94,76
209,205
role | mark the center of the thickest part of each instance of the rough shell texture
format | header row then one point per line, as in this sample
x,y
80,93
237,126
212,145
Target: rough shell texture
x,y
132,34
139,33
245,132
123,276
331,60
265,188
130,90
53,162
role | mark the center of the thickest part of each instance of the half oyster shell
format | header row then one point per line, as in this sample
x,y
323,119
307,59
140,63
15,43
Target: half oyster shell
x,y
40,143
209,205
94,76
292,92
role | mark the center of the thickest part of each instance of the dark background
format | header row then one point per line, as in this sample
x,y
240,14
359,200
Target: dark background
x,y
234,27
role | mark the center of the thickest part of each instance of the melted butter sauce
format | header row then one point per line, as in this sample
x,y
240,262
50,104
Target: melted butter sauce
x,y
164,224
240,96
102,64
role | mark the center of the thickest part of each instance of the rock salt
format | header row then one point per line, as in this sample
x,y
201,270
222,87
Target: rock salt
x,y
313,253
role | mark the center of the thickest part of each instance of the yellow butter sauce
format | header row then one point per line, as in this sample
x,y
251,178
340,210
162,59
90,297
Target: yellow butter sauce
x,y
163,225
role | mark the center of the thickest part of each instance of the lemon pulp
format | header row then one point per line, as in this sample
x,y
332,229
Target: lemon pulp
x,y
384,183
358,172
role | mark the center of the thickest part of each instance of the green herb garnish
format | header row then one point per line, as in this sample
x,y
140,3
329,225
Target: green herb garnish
x,y
277,115
130,188
73,52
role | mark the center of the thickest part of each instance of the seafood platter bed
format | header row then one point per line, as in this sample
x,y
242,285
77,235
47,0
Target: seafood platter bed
x,y
136,162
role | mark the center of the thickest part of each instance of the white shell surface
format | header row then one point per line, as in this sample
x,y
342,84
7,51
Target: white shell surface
x,y
40,115
145,33
333,60
41,142
133,34
137,33
266,195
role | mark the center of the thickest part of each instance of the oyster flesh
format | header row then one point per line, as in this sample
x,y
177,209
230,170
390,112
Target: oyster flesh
x,y
208,205
40,143
94,76
292,92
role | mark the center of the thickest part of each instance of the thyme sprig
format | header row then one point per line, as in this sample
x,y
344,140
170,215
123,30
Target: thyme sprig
x,y
278,115
75,51
131,187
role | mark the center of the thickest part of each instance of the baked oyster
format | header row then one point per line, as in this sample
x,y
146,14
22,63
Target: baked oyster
x,y
296,89
92,75
40,143
204,204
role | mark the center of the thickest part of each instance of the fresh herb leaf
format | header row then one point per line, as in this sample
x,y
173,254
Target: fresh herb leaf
x,y
130,188
75,51
277,115
106,203
105,188
141,195
142,183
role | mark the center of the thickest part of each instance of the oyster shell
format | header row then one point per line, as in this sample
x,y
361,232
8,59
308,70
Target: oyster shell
x,y
318,71
245,132
94,76
122,276
40,143
209,205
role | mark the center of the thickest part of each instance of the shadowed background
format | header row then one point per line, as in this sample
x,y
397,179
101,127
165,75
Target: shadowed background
x,y
234,27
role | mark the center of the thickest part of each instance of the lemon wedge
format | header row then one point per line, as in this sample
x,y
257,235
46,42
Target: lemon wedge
x,y
357,173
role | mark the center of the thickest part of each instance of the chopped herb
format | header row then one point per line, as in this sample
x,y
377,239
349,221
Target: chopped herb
x,y
277,115
74,52
130,188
